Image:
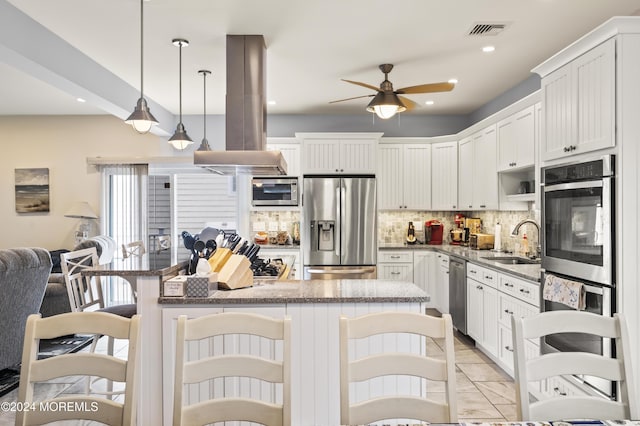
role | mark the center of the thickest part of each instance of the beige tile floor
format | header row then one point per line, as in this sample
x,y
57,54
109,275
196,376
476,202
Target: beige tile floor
x,y
485,392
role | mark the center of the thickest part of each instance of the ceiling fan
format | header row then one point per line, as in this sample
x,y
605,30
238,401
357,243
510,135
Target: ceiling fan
x,y
386,102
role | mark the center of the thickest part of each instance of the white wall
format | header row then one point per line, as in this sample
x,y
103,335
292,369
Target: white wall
x,y
62,144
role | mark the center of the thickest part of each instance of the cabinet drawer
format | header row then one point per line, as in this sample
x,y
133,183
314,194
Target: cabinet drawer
x,y
506,349
443,260
509,306
524,290
481,274
395,256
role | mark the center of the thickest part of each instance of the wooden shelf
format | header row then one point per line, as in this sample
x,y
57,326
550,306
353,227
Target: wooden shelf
x,y
522,197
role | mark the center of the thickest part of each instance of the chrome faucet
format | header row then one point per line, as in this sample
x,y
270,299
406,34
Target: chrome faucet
x,y
516,229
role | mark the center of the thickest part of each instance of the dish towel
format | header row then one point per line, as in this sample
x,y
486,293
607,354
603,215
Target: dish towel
x,y
567,292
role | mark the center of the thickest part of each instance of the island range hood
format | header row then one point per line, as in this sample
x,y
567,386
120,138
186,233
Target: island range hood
x,y
246,114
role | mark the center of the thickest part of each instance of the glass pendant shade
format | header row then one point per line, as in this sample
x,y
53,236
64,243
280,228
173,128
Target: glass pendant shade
x,y
141,118
180,139
385,105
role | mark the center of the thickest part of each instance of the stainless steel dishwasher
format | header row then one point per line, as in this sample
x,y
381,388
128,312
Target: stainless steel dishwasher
x,y
458,293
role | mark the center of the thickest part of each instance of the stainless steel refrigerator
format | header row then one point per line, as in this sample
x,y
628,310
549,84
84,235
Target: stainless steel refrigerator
x,y
339,227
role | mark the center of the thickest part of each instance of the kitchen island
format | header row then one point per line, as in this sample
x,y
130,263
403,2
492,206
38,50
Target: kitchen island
x,y
314,307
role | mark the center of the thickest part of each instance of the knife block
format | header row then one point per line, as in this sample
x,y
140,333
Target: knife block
x,y
235,273
219,258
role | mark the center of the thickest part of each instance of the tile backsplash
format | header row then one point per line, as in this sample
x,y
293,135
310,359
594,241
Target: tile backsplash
x,y
392,225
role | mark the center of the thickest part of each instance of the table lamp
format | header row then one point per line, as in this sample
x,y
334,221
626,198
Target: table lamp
x,y
82,210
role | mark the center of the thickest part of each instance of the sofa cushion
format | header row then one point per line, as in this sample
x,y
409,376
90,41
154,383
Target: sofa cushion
x,y
55,260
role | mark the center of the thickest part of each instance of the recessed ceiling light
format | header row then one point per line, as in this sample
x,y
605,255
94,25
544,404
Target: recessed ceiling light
x,y
453,81
488,49
80,100
271,102
429,102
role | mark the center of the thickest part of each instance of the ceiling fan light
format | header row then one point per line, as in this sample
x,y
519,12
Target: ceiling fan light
x,y
141,118
386,105
180,139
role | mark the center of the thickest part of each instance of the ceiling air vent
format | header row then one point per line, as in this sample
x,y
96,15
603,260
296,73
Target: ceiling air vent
x,y
484,29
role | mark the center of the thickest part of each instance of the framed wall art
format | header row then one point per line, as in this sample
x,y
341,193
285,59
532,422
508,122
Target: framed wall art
x,y
32,190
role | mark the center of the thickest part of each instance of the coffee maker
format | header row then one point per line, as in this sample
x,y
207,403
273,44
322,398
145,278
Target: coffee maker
x,y
433,232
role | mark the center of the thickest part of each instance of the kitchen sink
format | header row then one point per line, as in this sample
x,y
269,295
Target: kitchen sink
x,y
512,260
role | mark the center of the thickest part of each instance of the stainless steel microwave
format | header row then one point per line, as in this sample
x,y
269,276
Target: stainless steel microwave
x,y
274,191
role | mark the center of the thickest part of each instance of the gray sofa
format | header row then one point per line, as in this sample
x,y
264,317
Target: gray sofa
x,y
23,278
56,299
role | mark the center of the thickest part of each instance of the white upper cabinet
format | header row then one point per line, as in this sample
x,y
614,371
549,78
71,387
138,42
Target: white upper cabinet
x,y
579,104
516,140
465,173
477,175
404,176
338,154
444,176
290,151
485,180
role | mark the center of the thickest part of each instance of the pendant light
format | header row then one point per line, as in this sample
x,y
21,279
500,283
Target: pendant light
x,y
180,140
141,118
204,145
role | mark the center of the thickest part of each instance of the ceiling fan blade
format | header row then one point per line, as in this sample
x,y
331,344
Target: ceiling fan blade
x,y
427,88
368,86
348,99
408,103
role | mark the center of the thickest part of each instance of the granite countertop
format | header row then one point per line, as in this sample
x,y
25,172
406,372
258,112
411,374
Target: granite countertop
x,y
527,271
311,291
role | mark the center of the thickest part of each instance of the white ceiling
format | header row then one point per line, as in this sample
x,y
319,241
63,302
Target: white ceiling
x,y
311,45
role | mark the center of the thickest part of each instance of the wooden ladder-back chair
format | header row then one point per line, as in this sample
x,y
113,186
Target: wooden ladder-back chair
x,y
567,363
230,365
396,364
85,407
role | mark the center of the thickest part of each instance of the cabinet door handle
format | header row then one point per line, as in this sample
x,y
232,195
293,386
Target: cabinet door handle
x,y
509,348
488,277
447,272
342,170
522,290
337,170
470,206
479,287
395,273
483,206
508,312
395,257
454,207
472,271
573,148
508,285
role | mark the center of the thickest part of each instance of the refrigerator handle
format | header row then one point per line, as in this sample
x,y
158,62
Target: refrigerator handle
x,y
337,232
343,217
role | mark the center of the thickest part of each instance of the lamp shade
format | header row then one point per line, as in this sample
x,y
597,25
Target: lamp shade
x,y
386,105
81,210
180,139
141,118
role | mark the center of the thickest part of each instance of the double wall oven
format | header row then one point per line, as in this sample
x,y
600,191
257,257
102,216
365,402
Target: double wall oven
x,y
578,244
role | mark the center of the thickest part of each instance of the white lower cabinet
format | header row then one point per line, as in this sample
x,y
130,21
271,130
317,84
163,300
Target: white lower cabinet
x,y
441,284
424,273
492,299
509,306
395,265
482,307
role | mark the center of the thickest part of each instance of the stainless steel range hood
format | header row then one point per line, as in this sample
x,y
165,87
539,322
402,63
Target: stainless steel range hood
x,y
246,114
